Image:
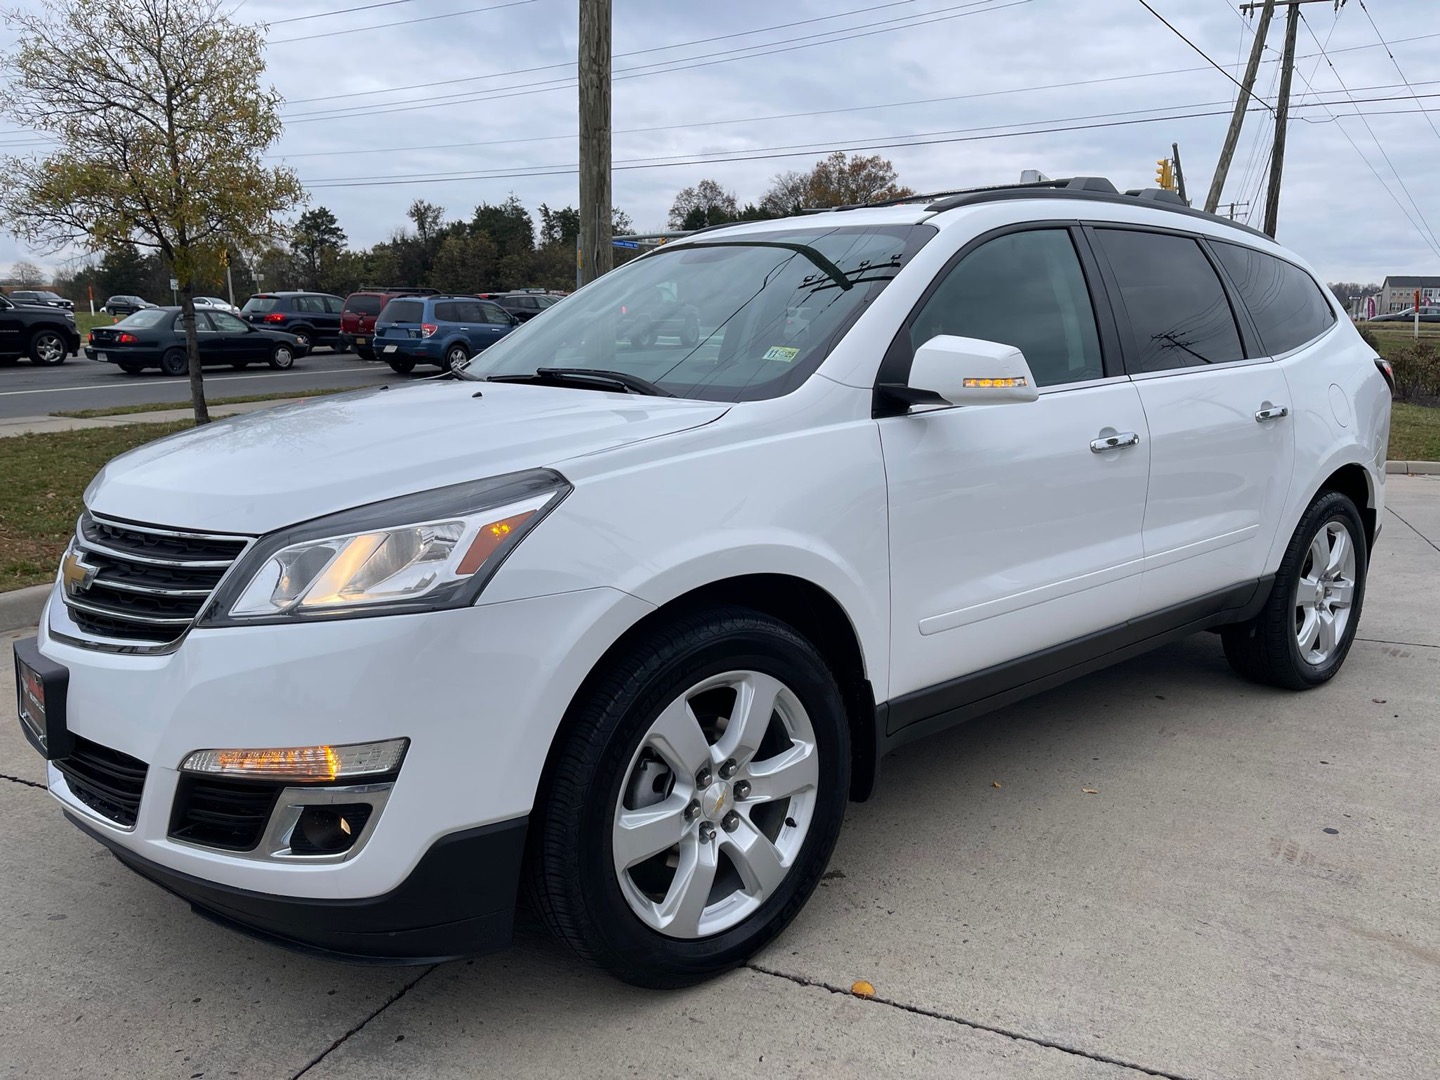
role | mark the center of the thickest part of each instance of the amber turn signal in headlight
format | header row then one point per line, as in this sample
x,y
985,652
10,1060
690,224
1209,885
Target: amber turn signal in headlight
x,y
301,762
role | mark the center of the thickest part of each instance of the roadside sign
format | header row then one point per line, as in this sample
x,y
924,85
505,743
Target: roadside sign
x,y
632,244
174,284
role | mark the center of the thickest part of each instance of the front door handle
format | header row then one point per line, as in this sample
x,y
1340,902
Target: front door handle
x,y
1271,412
1114,442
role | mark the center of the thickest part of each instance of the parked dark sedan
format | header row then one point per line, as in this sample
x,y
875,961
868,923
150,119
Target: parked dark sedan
x,y
155,337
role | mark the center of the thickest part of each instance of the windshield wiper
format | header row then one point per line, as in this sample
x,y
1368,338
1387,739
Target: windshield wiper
x,y
586,378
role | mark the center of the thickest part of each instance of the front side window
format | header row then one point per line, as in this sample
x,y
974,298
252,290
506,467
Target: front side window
x,y
494,314
1178,312
1024,289
706,318
223,320
1285,301
333,304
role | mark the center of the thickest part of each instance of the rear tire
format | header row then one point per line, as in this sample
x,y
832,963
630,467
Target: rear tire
x,y
364,354
47,348
401,367
131,369
455,357
304,339
670,732
690,333
175,362
1301,637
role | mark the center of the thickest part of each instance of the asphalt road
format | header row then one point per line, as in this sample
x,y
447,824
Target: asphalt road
x,y
27,390
1253,890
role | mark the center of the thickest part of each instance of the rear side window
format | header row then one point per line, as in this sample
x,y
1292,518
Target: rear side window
x,y
403,311
1178,312
448,311
364,305
1285,302
312,305
261,303
1025,289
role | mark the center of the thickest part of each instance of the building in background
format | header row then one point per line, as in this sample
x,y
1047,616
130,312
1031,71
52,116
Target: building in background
x,y
1398,293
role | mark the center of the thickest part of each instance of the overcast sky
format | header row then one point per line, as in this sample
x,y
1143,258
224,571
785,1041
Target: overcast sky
x,y
849,74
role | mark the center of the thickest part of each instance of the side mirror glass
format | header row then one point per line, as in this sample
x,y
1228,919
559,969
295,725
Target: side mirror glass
x,y
949,370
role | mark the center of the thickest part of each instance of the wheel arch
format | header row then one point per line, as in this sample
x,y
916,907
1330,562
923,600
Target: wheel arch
x,y
1354,482
812,611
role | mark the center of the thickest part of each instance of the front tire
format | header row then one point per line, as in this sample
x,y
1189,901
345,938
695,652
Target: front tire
x,y
1301,637
695,799
47,348
283,358
175,362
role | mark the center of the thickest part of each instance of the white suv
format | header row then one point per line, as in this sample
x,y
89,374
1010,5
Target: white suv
x,y
628,621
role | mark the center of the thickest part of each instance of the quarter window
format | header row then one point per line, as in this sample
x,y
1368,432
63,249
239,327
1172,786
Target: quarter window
x,y
1025,289
1178,312
1285,302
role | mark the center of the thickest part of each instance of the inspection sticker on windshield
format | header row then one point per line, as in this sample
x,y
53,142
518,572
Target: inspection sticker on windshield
x,y
783,353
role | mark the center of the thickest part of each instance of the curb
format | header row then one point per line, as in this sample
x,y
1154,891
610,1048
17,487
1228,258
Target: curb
x,y
1413,468
20,608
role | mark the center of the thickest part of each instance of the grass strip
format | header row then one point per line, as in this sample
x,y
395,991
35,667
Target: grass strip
x,y
161,406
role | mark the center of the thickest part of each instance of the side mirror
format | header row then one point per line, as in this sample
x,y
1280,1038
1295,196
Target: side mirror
x,y
950,370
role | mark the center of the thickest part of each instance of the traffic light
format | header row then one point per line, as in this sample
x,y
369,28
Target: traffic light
x,y
1165,174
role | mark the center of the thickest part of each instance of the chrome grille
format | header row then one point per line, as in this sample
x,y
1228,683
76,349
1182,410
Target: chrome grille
x,y
142,584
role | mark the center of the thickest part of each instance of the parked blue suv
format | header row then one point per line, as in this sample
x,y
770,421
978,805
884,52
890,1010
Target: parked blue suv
x,y
440,330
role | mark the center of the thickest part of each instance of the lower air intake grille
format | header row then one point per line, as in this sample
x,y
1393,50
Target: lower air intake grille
x,y
105,780
228,814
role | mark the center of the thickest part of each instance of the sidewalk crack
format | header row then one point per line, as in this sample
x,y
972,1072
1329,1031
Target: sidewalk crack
x,y
973,1024
20,780
1416,531
391,1000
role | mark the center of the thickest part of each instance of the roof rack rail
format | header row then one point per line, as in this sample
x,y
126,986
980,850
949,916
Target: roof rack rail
x,y
406,290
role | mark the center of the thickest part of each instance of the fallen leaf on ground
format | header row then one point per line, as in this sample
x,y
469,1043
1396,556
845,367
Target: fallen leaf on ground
x,y
994,783
1378,700
1090,790
862,989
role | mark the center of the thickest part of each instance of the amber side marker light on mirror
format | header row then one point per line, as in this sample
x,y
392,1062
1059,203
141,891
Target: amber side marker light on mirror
x,y
998,384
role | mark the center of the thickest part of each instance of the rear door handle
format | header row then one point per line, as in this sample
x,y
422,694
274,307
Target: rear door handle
x,y
1114,442
1271,412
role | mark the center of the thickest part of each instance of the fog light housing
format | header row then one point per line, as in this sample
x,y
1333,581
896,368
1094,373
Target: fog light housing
x,y
329,830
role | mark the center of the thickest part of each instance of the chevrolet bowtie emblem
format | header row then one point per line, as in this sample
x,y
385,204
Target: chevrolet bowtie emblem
x,y
76,573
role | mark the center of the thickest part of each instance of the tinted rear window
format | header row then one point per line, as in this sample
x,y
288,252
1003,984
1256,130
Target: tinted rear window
x,y
147,318
403,311
1179,314
364,305
1285,302
449,311
261,303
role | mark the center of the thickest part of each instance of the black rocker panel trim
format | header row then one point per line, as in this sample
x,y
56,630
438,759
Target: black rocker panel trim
x,y
935,708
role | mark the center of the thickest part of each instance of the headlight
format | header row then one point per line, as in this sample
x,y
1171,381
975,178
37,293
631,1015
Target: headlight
x,y
416,553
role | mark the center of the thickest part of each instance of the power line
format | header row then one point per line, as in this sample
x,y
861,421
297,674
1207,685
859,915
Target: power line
x,y
796,115
1434,241
1393,60
401,22
338,11
767,153
1145,4
662,67
571,64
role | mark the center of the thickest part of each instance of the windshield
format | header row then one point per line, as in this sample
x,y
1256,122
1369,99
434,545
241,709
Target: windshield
x,y
716,319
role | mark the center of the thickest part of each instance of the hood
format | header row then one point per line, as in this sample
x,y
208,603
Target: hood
x,y
255,473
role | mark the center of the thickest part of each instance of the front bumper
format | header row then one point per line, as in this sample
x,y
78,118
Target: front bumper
x,y
478,691
458,901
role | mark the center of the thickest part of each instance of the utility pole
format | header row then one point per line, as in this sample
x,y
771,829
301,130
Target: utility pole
x,y
1282,120
1179,173
595,255
1282,107
1242,102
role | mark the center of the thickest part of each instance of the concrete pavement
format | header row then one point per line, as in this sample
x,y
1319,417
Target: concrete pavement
x,y
1253,892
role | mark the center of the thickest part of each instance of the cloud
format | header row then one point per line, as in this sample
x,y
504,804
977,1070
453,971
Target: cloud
x,y
1119,63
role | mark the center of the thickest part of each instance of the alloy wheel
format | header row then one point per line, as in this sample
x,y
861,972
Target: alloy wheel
x,y
716,804
1325,593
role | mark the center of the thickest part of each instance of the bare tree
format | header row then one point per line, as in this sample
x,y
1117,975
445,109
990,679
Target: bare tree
x,y
26,274
161,120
